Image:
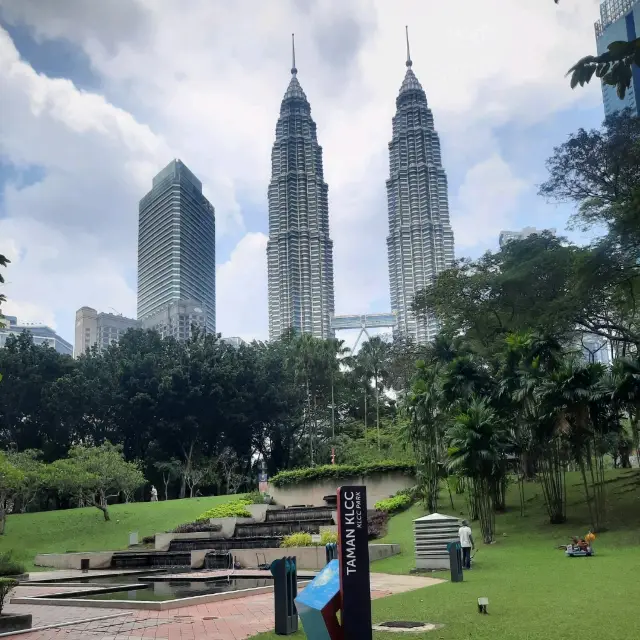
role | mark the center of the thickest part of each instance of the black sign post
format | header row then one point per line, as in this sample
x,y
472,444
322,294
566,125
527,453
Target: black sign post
x,y
355,586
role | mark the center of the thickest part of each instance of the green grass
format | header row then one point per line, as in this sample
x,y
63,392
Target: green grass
x,y
534,591
86,530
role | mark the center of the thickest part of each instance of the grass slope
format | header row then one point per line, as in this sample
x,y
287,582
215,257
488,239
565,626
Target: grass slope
x,y
86,530
534,591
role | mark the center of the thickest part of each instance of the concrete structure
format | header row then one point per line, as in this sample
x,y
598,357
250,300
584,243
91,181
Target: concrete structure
x,y
177,319
507,236
100,329
363,322
420,241
619,20
299,250
595,349
176,246
311,558
379,487
41,333
432,533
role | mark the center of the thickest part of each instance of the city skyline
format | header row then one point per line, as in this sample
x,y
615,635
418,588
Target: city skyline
x,y
100,126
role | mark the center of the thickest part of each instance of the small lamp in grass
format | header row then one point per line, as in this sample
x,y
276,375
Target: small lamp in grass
x,y
483,603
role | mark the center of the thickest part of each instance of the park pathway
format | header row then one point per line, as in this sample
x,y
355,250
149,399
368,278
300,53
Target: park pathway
x,y
225,620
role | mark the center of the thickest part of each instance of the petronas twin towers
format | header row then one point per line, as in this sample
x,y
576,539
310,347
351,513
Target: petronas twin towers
x,y
300,250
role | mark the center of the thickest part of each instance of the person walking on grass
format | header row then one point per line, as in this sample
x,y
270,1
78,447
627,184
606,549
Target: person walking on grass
x,y
466,543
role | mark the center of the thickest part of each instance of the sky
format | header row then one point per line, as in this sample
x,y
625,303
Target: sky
x,y
97,97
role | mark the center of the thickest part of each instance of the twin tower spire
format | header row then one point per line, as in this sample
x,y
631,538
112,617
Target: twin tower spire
x,y
300,250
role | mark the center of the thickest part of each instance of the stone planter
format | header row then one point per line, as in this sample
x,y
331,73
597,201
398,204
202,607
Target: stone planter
x,y
10,622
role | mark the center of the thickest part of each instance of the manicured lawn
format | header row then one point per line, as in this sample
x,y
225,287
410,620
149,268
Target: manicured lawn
x,y
534,591
86,530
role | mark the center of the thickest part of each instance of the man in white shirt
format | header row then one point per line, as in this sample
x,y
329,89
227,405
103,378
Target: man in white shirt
x,y
466,542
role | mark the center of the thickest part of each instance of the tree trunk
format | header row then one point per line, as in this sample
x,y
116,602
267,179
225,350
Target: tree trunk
x,y
365,414
377,410
3,519
104,509
333,413
310,422
166,486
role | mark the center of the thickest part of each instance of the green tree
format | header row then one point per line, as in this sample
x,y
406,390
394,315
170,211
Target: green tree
x,y
93,475
477,446
11,478
373,359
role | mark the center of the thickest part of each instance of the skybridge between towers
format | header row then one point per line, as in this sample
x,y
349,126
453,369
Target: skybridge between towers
x,y
363,322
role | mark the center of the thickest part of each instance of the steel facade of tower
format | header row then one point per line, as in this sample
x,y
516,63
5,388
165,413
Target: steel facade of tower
x,y
176,245
420,241
619,20
299,250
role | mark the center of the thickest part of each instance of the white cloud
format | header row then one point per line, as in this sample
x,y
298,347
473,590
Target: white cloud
x,y
203,79
241,296
484,204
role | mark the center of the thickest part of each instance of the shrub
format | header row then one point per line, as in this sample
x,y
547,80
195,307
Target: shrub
x,y
9,566
235,509
297,540
197,527
256,497
394,505
7,585
149,539
327,537
377,524
339,471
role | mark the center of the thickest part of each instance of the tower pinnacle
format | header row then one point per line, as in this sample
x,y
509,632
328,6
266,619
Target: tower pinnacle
x,y
409,63
293,54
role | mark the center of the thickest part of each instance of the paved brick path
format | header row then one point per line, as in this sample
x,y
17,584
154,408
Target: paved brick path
x,y
227,620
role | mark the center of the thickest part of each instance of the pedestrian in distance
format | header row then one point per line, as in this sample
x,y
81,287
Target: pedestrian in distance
x,y
466,543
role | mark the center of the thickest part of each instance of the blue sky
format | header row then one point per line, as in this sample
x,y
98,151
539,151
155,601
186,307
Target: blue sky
x,y
101,97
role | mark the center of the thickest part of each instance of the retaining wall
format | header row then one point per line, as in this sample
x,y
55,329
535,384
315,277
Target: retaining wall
x,y
379,487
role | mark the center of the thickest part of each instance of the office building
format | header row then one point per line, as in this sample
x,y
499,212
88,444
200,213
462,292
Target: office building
x,y
233,341
176,248
420,241
100,329
42,335
507,236
177,319
619,20
299,249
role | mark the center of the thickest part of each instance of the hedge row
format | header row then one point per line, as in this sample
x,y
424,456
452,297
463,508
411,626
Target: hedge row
x,y
394,505
339,471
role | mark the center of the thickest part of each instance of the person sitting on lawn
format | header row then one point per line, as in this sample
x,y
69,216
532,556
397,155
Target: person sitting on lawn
x,y
466,543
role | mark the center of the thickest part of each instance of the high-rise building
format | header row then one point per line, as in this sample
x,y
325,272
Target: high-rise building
x,y
100,329
299,250
40,333
619,20
176,246
420,242
176,319
507,236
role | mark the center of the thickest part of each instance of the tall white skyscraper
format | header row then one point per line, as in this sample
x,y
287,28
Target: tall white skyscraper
x,y
176,252
420,241
299,249
619,20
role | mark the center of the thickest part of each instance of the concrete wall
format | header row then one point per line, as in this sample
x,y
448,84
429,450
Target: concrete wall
x,y
313,558
97,560
379,486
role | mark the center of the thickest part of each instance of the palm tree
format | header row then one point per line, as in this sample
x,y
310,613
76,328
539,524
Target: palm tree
x,y
573,394
334,351
424,430
477,446
306,356
627,392
373,357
